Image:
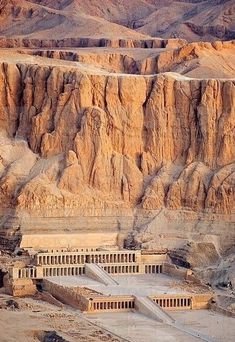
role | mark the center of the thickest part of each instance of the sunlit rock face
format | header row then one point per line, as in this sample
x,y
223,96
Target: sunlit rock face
x,y
75,141
156,141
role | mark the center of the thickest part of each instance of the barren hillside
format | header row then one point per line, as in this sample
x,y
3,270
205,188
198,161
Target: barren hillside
x,y
191,20
25,18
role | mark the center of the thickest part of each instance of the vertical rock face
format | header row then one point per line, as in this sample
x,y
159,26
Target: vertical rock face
x,y
72,140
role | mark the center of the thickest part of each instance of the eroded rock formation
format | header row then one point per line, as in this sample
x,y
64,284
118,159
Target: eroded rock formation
x,y
80,139
124,130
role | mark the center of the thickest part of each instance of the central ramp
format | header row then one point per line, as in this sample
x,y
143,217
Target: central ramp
x,y
152,310
97,273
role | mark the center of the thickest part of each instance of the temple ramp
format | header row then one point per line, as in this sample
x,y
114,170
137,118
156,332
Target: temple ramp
x,y
97,273
150,309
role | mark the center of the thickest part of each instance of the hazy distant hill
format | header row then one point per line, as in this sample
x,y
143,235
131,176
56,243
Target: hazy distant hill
x,y
190,19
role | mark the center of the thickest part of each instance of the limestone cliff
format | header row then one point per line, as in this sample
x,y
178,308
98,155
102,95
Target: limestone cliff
x,y
124,130
73,139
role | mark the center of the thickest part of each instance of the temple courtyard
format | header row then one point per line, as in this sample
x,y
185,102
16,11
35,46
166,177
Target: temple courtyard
x,y
132,324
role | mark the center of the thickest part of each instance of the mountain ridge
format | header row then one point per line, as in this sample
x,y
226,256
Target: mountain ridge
x,y
192,20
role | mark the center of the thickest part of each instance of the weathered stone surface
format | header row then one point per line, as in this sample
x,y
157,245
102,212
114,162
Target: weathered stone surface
x,y
157,141
95,140
215,60
193,254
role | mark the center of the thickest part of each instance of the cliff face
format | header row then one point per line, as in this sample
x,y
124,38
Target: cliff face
x,y
144,57
146,142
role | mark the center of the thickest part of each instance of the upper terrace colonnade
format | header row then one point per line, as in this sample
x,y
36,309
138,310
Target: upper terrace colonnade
x,y
67,258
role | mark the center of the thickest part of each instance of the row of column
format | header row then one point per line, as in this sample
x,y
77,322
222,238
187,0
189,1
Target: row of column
x,y
153,269
73,250
112,258
63,271
60,259
82,259
122,305
121,269
174,302
27,273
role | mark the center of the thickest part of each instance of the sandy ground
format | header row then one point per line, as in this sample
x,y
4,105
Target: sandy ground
x,y
64,23
219,327
35,317
138,328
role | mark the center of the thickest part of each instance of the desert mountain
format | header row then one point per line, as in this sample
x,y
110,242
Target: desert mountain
x,y
192,20
117,129
104,127
79,140
26,18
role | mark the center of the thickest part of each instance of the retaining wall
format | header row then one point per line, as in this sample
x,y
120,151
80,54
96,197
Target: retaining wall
x,y
176,271
19,287
67,295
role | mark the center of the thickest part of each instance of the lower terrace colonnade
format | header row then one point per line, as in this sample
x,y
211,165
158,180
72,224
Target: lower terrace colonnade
x,y
112,305
173,302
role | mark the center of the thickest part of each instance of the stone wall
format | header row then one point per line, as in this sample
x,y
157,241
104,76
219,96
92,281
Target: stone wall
x,y
201,301
83,239
19,287
176,271
67,295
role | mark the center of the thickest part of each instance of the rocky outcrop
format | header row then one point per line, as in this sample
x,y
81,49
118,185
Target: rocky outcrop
x,y
195,255
218,31
192,59
221,274
50,336
192,20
